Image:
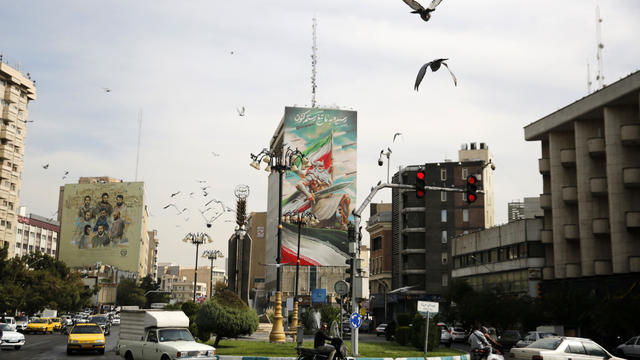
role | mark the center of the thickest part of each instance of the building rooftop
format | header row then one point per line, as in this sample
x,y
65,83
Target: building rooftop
x,y
624,92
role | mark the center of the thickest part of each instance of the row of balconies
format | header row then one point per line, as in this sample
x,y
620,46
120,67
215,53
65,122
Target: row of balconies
x,y
599,227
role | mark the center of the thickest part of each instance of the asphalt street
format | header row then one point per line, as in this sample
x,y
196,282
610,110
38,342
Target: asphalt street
x,y
54,346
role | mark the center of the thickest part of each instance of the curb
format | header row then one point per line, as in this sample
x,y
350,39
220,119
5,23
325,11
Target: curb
x,y
232,357
456,357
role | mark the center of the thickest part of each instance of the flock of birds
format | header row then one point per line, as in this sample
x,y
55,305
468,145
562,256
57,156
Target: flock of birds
x,y
208,213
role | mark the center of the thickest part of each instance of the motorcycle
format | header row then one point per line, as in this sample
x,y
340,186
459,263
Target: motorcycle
x,y
488,353
337,343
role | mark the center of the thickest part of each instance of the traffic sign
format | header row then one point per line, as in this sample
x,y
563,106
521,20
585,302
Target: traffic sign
x,y
356,320
427,306
341,287
363,311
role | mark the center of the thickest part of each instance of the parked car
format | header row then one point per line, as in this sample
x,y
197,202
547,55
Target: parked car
x,y
380,329
85,337
445,334
101,320
561,348
21,323
509,338
9,320
631,348
532,337
458,334
10,337
40,325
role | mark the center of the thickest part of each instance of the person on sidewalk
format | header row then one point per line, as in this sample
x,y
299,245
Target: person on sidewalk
x,y
319,342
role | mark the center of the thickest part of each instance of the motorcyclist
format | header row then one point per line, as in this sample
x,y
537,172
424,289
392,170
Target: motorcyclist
x,y
319,342
478,340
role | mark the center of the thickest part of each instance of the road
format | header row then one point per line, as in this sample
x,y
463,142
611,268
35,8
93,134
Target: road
x,y
54,346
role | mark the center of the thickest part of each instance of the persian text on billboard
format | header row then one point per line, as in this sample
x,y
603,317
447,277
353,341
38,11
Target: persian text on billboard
x,y
327,188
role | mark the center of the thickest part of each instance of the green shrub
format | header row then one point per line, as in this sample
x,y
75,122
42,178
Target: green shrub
x,y
403,334
417,339
404,319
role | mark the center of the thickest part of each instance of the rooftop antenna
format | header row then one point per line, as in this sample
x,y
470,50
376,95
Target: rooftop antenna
x,y
314,62
588,78
139,136
600,75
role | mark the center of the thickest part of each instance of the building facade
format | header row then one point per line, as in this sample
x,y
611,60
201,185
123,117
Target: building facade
x,y
16,90
380,243
36,233
507,258
152,257
422,227
590,167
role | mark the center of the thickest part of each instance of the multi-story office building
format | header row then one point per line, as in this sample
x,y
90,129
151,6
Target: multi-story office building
x,y
379,228
182,290
527,209
152,257
36,233
209,277
590,168
422,227
16,90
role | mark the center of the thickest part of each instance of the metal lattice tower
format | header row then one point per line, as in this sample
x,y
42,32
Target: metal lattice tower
x,y
314,63
600,74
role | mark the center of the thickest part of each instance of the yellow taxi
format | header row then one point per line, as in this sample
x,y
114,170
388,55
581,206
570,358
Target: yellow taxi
x,y
41,325
57,323
85,337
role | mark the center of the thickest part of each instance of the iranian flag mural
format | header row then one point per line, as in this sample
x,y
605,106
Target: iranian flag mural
x,y
327,188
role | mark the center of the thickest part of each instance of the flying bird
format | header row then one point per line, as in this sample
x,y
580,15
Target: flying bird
x,y
170,205
276,265
215,154
45,166
395,136
435,65
205,187
175,193
26,121
425,14
201,181
107,90
240,111
191,194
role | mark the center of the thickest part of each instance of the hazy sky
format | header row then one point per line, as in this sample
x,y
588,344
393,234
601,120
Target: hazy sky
x,y
516,61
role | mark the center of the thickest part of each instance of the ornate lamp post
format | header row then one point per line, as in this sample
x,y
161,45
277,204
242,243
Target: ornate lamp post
x,y
282,162
197,239
212,255
305,218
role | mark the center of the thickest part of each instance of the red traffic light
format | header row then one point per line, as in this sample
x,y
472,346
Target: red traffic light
x,y
420,193
471,179
420,175
472,198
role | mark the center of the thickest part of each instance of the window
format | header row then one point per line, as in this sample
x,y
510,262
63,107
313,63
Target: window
x,y
443,174
465,173
443,216
575,347
444,236
377,243
465,215
445,280
593,349
444,258
443,196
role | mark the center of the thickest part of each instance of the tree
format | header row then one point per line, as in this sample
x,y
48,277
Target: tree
x,y
226,315
128,293
150,286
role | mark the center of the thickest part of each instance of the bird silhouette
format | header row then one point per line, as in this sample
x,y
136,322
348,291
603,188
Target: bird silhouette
x,y
215,154
201,181
395,136
425,14
434,65
107,90
276,265
26,121
173,205
191,194
175,193
45,166
241,111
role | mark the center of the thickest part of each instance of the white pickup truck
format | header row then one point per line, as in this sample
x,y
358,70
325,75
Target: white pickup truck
x,y
158,335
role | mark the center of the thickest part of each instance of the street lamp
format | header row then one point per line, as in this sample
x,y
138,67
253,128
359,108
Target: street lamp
x,y
305,218
212,255
196,239
284,161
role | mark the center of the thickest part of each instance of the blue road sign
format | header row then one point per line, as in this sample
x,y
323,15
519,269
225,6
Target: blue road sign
x,y
356,320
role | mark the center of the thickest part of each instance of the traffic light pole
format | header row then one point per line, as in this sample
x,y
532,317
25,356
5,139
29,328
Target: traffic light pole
x,y
356,222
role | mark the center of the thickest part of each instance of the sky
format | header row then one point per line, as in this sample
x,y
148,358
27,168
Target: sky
x,y
515,61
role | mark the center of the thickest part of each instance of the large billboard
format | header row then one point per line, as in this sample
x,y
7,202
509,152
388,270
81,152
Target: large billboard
x,y
327,188
102,222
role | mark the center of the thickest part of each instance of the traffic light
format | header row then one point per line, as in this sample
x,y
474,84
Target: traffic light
x,y
539,287
420,184
351,232
472,187
349,272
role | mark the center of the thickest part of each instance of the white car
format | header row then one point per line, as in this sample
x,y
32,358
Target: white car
x,y
21,323
11,338
458,334
11,321
561,348
115,321
445,334
381,329
631,348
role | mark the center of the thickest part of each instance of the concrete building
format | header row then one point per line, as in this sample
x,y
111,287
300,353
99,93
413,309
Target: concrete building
x,y
526,209
590,168
36,233
16,90
422,227
507,258
206,275
152,257
380,235
182,290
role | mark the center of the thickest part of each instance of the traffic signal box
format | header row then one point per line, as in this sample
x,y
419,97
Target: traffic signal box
x,y
420,183
472,188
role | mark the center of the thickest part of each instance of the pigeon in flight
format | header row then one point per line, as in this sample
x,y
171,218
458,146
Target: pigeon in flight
x,y
395,136
26,121
107,90
170,205
425,14
191,194
215,154
276,265
240,111
175,193
435,65
45,166
201,181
